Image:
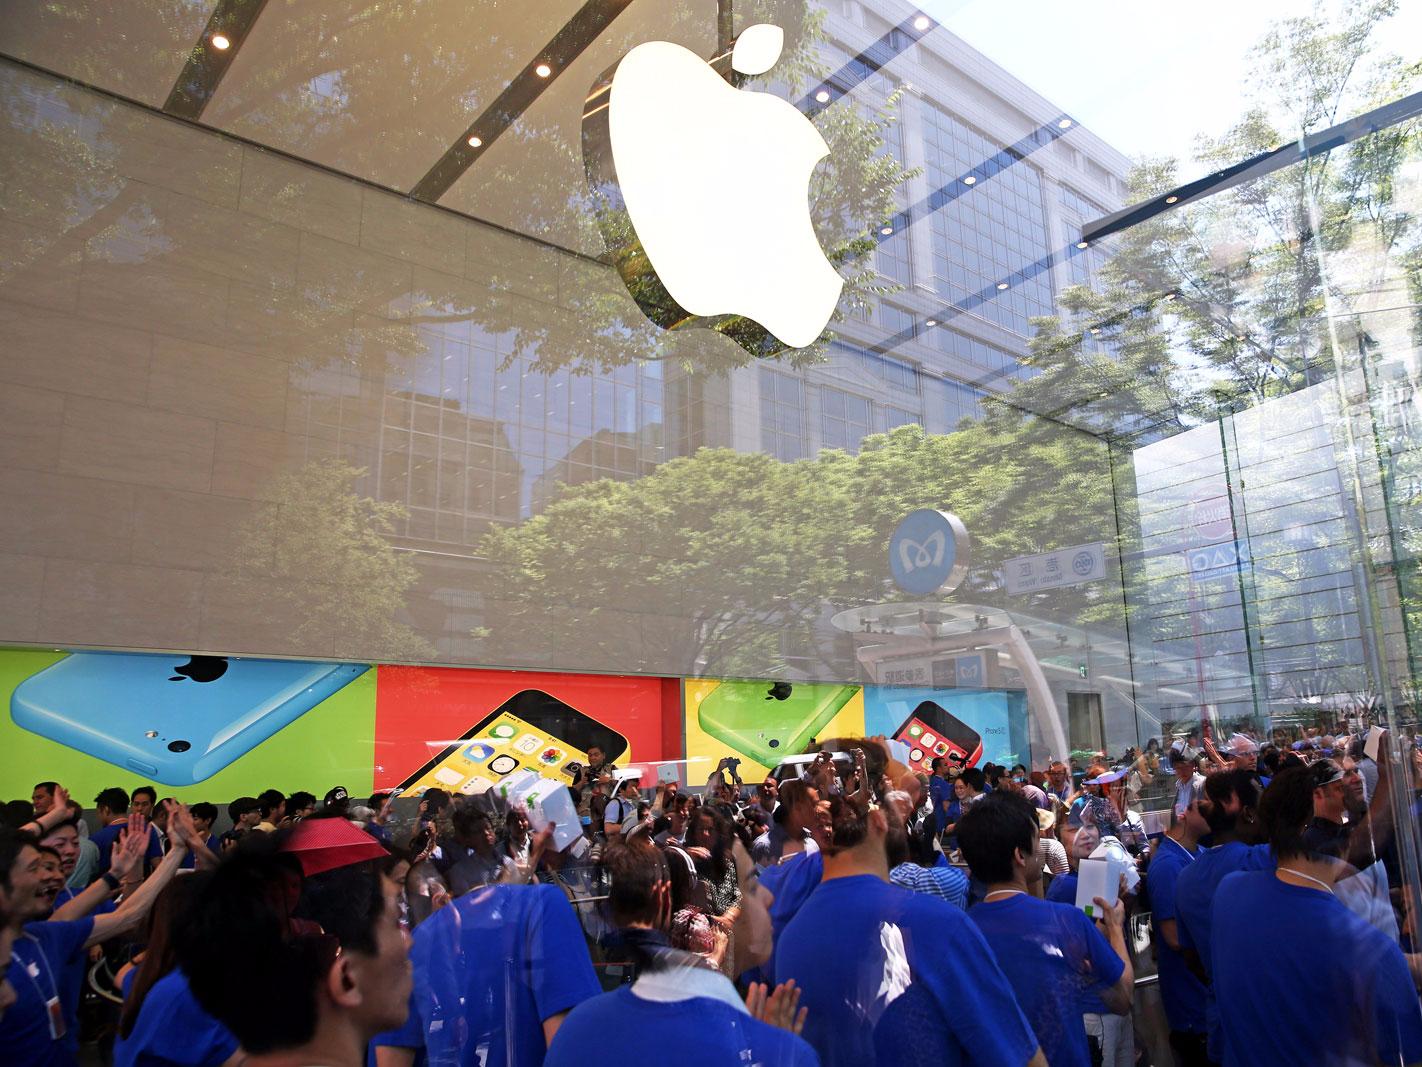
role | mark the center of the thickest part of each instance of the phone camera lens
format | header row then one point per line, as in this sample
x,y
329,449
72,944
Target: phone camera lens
x,y
178,746
774,742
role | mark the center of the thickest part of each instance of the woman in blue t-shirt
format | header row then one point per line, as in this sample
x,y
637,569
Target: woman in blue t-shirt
x,y
161,1020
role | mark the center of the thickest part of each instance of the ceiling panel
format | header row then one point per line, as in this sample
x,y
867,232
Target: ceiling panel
x,y
135,48
531,179
377,92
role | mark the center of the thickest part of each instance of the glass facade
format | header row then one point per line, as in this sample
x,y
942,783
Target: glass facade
x,y
295,369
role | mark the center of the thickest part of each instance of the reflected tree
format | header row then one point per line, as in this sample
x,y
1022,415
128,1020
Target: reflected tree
x,y
317,557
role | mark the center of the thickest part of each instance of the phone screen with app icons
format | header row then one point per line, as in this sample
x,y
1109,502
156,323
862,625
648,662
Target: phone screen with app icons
x,y
925,744
499,745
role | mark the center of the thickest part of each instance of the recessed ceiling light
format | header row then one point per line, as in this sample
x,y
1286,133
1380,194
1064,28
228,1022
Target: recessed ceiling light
x,y
1002,285
823,96
1171,199
887,230
922,22
1094,329
543,70
475,141
1170,296
1065,124
970,180
1082,244
931,322
220,42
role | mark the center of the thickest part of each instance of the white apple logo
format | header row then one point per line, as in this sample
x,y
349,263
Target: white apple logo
x,y
713,181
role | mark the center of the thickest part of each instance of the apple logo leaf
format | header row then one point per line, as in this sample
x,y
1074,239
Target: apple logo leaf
x,y
757,49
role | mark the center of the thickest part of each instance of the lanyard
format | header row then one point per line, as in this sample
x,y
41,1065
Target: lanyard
x,y
1188,854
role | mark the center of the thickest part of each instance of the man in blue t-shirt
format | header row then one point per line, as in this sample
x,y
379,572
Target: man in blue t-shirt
x,y
36,1030
1232,809
679,1003
1337,991
514,957
879,967
1051,953
112,808
1181,992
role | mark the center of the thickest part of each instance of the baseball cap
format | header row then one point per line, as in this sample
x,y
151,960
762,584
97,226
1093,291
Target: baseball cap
x,y
1105,779
1326,772
336,795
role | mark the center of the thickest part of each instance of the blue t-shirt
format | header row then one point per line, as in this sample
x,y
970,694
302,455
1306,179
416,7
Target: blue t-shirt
x,y
1181,993
36,964
511,956
1063,890
213,845
880,970
104,840
1195,890
697,1032
1336,992
172,1029
1051,955
941,791
71,980
791,883
411,1035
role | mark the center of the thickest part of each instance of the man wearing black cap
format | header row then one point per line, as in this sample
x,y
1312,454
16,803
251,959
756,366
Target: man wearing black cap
x,y
338,802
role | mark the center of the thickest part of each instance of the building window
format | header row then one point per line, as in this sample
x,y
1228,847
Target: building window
x,y
899,417
988,235
844,419
782,415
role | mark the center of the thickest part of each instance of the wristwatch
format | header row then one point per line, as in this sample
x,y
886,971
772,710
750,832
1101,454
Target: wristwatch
x,y
110,880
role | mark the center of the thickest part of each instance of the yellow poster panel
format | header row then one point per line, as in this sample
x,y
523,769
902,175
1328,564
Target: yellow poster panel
x,y
760,722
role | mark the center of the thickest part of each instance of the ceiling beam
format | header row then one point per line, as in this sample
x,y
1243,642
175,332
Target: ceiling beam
x,y
207,65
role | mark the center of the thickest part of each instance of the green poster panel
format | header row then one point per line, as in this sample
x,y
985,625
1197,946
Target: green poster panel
x,y
332,744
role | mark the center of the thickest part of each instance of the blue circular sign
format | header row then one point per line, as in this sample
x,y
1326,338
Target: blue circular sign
x,y
929,552
1083,563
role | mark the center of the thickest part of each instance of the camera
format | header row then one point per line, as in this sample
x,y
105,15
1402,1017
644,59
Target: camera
x,y
733,765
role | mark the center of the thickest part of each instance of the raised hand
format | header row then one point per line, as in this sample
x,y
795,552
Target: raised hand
x,y
180,824
779,1007
128,852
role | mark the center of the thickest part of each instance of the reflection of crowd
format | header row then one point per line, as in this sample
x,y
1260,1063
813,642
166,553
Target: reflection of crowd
x,y
841,910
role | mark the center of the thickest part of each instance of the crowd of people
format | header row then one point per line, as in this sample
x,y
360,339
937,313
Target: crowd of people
x,y
844,910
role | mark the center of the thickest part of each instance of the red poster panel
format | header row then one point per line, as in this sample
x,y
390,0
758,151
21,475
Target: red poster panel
x,y
421,712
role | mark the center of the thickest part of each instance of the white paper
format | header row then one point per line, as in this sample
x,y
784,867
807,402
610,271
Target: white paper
x,y
1374,741
549,801
1097,878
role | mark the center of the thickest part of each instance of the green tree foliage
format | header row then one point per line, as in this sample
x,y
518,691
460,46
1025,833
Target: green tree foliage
x,y
316,555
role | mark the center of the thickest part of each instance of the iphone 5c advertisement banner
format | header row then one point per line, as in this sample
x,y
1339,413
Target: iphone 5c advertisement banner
x,y
206,727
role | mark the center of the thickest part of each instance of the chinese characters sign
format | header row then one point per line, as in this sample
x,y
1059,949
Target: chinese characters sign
x,y
1049,570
